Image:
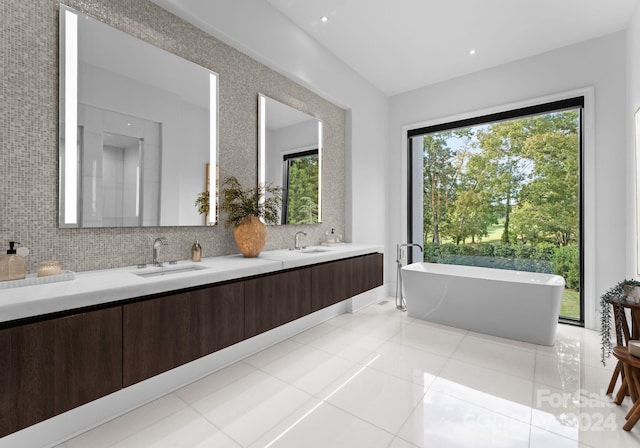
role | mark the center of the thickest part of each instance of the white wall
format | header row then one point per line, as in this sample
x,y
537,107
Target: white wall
x,y
633,103
598,63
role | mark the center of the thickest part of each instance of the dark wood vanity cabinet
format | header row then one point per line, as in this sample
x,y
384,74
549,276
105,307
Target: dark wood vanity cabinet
x,y
52,366
275,299
336,281
367,272
164,332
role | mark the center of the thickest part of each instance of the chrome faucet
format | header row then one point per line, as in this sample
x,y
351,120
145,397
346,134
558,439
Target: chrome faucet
x,y
399,250
296,241
157,244
400,303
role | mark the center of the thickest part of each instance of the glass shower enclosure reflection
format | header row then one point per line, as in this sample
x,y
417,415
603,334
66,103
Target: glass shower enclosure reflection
x,y
119,169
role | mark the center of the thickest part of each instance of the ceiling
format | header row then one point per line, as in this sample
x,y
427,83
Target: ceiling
x,y
401,45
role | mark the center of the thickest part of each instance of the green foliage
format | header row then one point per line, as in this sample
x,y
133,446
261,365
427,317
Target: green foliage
x,y
202,203
302,194
566,262
617,292
237,203
544,257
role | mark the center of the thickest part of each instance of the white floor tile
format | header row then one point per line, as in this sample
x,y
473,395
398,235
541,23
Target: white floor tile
x,y
400,443
407,363
379,326
381,399
272,353
582,417
496,355
595,380
347,344
437,326
558,372
116,430
249,407
214,382
343,320
556,411
579,345
446,422
312,334
545,439
309,368
185,429
603,428
503,341
434,340
502,393
321,425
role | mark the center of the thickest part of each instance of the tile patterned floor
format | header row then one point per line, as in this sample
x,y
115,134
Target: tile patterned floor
x,y
378,378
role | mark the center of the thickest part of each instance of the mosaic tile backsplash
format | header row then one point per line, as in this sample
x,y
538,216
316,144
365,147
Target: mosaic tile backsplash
x,y
29,135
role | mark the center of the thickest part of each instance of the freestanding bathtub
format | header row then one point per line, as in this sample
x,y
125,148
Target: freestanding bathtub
x,y
511,304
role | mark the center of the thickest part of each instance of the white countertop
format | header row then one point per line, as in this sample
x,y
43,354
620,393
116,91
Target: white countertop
x,y
110,285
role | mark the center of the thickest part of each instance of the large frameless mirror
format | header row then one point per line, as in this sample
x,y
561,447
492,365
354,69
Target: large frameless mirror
x,y
290,157
138,130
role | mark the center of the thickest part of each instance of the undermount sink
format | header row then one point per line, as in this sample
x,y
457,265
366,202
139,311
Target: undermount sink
x,y
159,272
313,250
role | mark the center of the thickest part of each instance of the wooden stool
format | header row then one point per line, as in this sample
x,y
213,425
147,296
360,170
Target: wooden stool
x,y
623,335
631,367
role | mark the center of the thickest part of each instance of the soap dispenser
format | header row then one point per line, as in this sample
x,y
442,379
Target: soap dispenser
x,y
12,265
332,238
196,251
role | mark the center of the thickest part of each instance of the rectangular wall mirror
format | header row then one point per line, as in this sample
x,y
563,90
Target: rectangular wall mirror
x,y
290,157
138,128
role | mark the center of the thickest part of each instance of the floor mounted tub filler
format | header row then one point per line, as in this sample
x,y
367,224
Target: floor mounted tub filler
x,y
524,306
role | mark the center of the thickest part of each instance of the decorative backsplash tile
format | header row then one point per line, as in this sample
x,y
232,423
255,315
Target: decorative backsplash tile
x,y
29,135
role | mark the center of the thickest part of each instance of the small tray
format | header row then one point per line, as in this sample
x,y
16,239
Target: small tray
x,y
33,279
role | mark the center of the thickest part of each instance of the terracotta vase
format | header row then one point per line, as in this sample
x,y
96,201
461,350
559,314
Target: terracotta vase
x,y
251,236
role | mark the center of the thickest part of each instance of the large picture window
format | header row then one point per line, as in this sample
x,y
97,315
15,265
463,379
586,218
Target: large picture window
x,y
503,191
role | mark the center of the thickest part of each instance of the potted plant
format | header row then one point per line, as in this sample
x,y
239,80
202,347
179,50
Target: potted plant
x,y
621,291
248,210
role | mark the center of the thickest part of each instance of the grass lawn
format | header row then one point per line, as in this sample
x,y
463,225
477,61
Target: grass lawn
x,y
570,304
495,232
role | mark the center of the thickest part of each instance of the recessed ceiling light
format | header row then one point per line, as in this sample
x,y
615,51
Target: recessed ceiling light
x,y
324,18
472,52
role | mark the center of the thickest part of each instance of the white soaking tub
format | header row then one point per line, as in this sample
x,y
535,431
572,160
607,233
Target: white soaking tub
x,y
511,304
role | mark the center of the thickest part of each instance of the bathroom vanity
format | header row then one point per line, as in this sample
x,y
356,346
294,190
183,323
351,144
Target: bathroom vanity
x,y
63,345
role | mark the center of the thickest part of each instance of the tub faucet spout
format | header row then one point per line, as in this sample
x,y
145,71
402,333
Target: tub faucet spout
x,y
400,303
400,246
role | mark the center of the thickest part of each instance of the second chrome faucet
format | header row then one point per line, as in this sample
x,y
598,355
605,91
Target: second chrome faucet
x,y
157,244
296,240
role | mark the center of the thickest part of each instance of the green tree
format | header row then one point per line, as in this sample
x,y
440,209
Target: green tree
x,y
441,170
303,190
502,145
474,208
552,189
